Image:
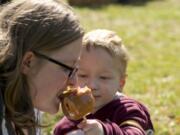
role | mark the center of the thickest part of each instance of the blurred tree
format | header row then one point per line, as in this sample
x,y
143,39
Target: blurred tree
x,y
132,1
4,1
88,2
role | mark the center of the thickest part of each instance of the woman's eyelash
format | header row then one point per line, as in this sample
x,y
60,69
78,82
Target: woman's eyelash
x,y
65,69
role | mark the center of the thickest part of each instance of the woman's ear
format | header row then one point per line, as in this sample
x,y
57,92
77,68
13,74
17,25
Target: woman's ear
x,y
27,62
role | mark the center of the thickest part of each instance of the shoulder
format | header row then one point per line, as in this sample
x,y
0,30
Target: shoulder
x,y
128,104
125,112
122,100
124,106
131,109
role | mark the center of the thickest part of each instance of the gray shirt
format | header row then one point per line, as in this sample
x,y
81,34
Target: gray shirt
x,y
6,126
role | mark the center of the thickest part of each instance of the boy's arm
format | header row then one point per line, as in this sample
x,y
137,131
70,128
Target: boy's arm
x,y
129,118
126,117
97,127
127,128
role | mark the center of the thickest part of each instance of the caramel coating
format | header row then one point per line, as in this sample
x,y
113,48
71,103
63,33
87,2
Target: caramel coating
x,y
77,103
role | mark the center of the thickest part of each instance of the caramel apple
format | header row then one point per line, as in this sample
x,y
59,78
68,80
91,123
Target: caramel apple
x,y
77,103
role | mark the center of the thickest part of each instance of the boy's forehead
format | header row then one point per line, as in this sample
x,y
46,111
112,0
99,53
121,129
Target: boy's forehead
x,y
89,48
115,57
98,56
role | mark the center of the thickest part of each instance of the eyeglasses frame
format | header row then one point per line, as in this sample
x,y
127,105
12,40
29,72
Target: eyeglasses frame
x,y
71,69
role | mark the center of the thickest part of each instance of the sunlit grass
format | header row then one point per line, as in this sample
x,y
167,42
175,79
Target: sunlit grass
x,y
151,33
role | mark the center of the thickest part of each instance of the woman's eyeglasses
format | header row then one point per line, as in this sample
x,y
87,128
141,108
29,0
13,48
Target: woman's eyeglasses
x,y
72,70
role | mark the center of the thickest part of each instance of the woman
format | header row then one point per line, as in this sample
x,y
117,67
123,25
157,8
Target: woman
x,y
40,43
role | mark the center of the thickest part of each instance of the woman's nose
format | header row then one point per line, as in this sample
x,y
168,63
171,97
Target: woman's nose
x,y
72,81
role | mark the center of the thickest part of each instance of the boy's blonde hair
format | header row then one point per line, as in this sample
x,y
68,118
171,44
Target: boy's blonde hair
x,y
111,42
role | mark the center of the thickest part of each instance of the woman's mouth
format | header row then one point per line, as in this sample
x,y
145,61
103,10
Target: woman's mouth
x,y
96,96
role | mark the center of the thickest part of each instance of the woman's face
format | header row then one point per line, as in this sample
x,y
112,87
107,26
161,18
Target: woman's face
x,y
49,80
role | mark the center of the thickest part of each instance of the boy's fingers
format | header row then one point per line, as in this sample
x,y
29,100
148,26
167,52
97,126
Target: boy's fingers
x,y
82,124
86,129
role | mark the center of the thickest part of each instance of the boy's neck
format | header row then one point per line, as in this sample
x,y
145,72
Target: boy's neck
x,y
116,96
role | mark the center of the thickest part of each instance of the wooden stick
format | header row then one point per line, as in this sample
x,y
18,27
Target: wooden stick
x,y
84,118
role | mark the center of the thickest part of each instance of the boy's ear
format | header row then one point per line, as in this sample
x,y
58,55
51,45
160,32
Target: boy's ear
x,y
122,82
26,62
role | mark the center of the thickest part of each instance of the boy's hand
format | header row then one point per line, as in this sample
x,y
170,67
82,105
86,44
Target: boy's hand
x,y
76,132
91,127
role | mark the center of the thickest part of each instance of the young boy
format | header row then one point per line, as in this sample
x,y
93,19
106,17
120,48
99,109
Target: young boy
x,y
103,69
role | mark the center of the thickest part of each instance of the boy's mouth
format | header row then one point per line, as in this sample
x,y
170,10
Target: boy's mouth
x,y
96,96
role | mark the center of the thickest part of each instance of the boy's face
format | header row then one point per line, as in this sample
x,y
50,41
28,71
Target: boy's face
x,y
99,72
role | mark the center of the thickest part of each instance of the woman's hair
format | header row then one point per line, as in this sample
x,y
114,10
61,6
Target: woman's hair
x,y
112,43
27,25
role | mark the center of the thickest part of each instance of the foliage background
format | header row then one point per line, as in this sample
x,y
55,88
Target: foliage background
x,y
151,32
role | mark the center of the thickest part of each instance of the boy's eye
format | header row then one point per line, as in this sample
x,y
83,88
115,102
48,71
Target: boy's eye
x,y
104,77
82,75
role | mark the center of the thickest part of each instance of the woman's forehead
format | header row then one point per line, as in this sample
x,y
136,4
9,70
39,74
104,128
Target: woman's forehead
x,y
69,53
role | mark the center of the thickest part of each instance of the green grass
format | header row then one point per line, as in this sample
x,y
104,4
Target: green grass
x,y
151,33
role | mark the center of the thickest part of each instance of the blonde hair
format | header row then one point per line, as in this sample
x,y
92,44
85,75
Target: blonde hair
x,y
27,25
111,42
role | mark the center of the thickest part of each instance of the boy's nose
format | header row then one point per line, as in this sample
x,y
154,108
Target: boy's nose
x,y
92,84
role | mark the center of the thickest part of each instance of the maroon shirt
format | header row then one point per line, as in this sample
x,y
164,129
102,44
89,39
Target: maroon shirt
x,y
134,114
